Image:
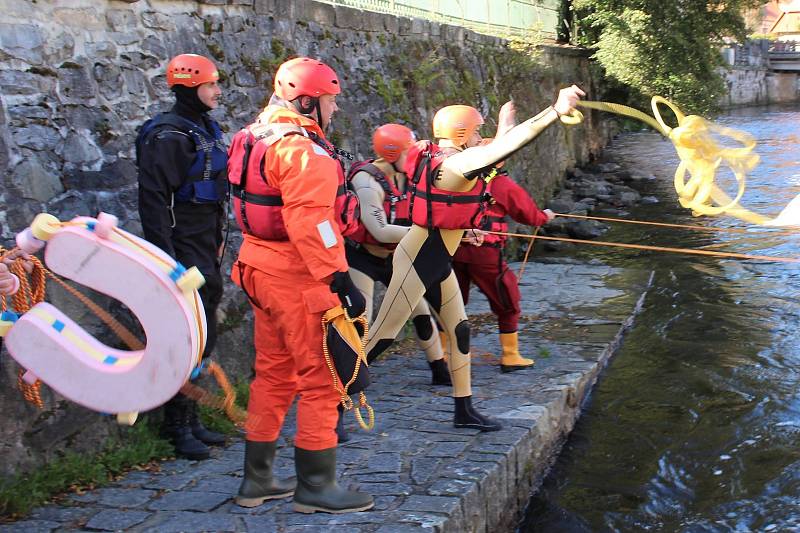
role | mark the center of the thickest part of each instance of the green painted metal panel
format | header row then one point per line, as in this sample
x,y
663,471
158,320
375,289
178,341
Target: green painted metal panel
x,y
495,17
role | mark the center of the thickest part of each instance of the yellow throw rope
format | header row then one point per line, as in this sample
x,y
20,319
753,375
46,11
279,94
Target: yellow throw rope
x,y
654,248
703,148
346,327
527,252
31,292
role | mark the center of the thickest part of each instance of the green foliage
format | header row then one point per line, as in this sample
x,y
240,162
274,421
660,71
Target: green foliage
x,y
269,65
136,445
216,51
663,47
544,353
216,420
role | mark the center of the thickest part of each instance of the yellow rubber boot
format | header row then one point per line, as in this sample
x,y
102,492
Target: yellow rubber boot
x,y
511,360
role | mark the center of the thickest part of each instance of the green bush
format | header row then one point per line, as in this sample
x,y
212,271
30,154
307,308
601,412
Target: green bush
x,y
663,47
137,445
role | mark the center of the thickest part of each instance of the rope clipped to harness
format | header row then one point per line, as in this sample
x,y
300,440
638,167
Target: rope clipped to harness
x,y
343,342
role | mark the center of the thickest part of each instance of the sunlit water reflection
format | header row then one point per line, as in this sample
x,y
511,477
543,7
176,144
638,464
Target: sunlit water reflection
x,y
695,426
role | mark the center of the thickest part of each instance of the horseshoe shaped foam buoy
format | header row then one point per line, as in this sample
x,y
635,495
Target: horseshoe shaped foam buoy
x,y
161,293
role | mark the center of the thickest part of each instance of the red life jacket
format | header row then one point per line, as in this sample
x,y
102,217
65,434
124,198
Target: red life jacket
x,y
436,208
494,220
257,205
395,203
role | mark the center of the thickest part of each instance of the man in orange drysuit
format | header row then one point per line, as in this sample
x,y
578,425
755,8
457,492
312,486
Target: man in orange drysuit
x,y
294,269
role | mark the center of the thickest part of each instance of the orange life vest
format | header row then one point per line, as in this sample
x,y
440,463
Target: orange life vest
x,y
257,206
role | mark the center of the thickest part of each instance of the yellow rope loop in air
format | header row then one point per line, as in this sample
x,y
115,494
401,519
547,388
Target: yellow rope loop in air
x,y
704,148
528,252
342,389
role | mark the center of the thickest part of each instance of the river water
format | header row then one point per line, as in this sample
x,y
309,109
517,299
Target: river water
x,y
695,425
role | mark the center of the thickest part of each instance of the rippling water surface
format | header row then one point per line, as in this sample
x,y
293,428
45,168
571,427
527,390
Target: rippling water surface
x,y
695,425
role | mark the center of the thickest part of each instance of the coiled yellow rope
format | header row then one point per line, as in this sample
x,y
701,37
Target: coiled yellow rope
x,y
704,148
346,327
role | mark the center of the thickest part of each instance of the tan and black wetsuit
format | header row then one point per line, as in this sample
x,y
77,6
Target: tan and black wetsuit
x,y
421,267
369,262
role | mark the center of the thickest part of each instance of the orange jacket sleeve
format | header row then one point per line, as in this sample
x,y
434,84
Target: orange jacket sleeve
x,y
308,178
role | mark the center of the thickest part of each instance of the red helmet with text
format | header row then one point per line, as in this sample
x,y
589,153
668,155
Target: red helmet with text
x,y
390,140
191,70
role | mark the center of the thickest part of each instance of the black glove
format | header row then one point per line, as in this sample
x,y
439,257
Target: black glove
x,y
351,298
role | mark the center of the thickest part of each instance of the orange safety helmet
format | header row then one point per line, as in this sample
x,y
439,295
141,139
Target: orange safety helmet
x,y
303,76
456,123
191,70
390,140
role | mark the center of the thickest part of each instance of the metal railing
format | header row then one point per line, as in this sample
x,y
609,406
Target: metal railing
x,y
502,18
783,47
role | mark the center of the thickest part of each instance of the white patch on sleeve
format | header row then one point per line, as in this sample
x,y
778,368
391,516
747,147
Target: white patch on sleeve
x,y
327,234
319,150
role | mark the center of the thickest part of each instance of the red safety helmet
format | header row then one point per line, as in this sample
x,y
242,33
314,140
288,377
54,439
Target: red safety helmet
x,y
191,70
456,123
303,76
390,140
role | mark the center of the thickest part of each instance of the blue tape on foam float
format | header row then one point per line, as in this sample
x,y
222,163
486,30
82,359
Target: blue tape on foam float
x,y
177,272
197,371
9,316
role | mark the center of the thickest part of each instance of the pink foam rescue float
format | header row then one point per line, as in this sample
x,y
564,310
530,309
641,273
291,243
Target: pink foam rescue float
x,y
160,292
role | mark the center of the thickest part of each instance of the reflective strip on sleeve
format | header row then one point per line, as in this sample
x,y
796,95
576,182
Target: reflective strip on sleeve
x,y
327,234
320,150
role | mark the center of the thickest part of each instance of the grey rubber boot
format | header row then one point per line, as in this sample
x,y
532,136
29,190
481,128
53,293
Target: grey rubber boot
x,y
317,489
258,484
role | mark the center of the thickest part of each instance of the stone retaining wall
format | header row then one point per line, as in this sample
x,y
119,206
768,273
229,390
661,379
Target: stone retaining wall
x,y
759,86
79,77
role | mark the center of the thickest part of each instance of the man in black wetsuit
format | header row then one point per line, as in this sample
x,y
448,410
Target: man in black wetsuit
x,y
182,189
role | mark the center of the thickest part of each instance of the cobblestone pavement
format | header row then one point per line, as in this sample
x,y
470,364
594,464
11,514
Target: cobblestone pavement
x,y
425,474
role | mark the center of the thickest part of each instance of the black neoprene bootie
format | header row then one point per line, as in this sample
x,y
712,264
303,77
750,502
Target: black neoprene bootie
x,y
341,431
440,375
179,432
317,489
258,484
467,416
199,431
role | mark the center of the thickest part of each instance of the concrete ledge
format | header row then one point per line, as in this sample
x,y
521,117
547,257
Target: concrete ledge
x,y
425,474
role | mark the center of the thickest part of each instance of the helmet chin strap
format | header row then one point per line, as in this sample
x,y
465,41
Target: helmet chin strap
x,y
307,110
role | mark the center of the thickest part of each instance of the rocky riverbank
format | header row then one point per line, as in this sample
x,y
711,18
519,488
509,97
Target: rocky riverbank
x,y
604,189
